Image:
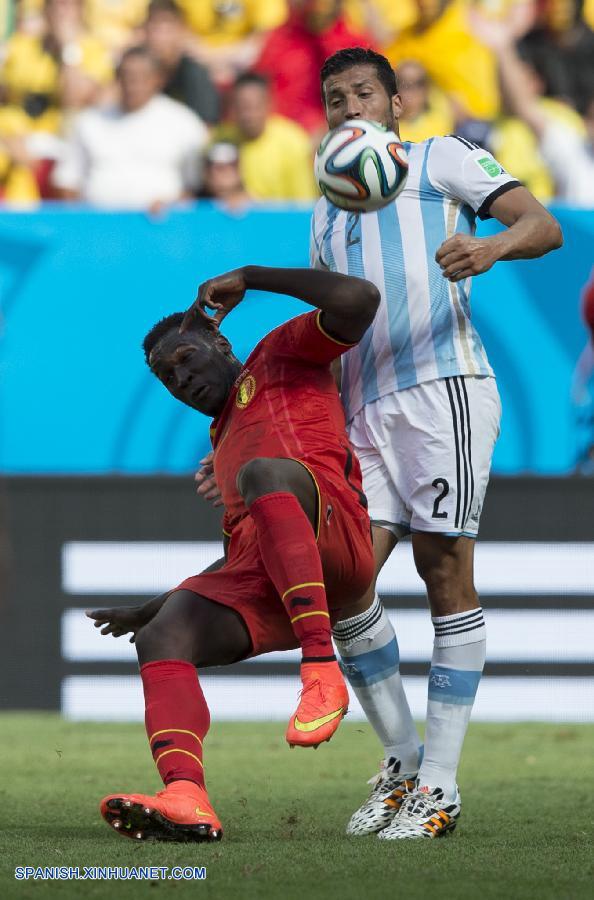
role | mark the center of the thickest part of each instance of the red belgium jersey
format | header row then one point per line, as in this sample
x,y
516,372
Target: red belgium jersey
x,y
285,404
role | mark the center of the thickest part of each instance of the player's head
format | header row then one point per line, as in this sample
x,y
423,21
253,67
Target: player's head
x,y
197,367
360,84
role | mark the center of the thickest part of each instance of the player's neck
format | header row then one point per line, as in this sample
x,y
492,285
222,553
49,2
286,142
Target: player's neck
x,y
237,369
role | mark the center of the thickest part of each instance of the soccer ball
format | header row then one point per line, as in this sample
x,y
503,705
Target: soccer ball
x,y
361,166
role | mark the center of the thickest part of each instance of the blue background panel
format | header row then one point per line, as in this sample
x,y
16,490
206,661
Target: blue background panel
x,y
79,289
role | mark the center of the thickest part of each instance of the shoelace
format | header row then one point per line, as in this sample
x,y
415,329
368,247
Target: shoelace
x,y
415,805
386,780
163,793
316,683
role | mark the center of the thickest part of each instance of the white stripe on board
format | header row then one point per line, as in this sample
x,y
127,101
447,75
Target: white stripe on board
x,y
144,567
513,635
240,698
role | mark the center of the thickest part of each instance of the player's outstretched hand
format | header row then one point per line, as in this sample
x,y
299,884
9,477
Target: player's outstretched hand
x,y
222,294
462,256
119,621
206,485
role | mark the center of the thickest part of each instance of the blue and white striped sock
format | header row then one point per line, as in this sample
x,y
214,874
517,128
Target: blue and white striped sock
x,y
456,668
371,662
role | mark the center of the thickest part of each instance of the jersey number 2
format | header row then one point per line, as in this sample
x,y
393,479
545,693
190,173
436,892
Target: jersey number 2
x,y
352,219
445,489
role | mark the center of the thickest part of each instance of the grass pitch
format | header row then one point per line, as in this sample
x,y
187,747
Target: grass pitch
x,y
526,828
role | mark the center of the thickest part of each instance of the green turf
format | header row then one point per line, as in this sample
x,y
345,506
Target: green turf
x,y
526,830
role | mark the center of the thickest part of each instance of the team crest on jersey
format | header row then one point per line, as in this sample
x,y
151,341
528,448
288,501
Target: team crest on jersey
x,y
245,392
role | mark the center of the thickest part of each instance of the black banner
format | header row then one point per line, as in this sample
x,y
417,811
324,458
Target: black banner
x,y
48,524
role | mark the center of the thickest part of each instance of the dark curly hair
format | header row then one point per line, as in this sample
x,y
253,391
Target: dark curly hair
x,y
168,324
360,56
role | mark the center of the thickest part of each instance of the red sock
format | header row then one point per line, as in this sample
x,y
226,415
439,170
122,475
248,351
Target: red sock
x,y
288,547
176,718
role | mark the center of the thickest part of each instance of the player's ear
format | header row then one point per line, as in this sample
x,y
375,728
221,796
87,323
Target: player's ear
x,y
396,102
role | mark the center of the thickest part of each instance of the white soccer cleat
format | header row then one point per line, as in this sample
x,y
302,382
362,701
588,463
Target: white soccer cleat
x,y
424,813
384,801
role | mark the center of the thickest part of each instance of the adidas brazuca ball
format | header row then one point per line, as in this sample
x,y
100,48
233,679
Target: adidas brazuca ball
x,y
361,166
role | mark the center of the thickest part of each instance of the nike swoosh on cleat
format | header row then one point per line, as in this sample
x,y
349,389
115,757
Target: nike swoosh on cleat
x,y
317,723
201,812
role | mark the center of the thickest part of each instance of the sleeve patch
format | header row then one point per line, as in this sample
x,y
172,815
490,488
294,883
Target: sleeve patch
x,y
490,166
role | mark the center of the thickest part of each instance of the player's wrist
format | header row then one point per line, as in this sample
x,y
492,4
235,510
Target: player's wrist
x,y
499,245
249,275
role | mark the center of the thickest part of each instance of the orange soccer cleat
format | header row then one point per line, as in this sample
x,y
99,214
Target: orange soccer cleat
x,y
181,812
323,704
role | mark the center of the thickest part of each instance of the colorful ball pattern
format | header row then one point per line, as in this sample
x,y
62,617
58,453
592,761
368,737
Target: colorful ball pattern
x,y
361,166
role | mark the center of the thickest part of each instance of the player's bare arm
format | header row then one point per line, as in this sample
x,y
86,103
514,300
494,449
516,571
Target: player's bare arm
x,y
349,304
531,232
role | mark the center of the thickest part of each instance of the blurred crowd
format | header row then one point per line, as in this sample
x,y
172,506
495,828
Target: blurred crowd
x,y
138,104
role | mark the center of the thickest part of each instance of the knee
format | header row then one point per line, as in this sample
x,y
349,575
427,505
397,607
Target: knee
x,y
258,477
446,566
148,646
171,634
436,573
447,587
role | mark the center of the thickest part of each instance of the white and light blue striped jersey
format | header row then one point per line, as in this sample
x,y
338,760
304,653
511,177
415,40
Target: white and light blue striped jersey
x,y
422,330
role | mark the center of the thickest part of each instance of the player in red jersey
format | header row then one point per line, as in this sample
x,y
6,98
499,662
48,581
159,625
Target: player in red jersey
x,y
297,533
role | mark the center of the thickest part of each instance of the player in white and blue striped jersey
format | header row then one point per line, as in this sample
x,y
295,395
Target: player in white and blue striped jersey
x,y
423,415
425,317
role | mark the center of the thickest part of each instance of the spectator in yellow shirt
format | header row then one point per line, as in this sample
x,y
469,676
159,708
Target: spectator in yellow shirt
x,y
228,37
516,148
381,19
456,60
276,157
114,22
563,142
225,23
426,112
18,184
32,65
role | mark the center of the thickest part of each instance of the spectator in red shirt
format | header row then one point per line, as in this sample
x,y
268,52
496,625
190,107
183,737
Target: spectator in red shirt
x,y
293,55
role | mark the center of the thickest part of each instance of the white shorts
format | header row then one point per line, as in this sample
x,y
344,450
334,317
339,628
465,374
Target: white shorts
x,y
425,453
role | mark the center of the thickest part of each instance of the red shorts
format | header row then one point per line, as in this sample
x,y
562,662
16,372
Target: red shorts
x,y
344,542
